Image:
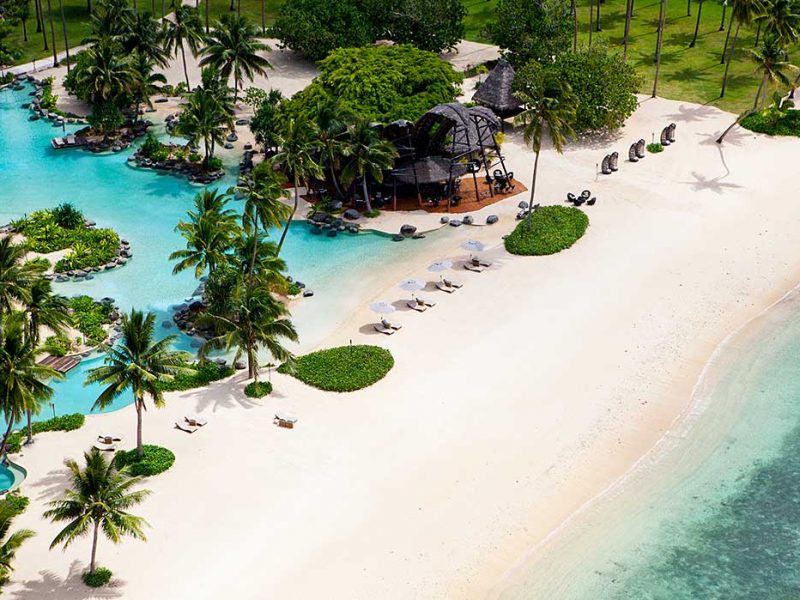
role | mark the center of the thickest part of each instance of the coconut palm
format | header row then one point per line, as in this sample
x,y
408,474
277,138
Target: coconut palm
x,y
662,12
627,32
113,20
15,275
331,121
207,117
233,49
98,499
9,544
22,381
259,321
64,32
52,32
697,24
185,29
548,105
299,146
137,363
780,20
144,82
366,155
107,76
209,233
146,36
743,12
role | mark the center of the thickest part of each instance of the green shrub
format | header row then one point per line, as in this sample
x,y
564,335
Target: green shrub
x,y
194,157
48,100
99,578
15,503
89,317
372,213
155,460
765,122
553,228
293,289
214,163
258,389
655,148
67,216
150,145
200,375
62,423
342,369
57,345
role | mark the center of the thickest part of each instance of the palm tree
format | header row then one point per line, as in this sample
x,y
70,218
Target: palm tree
x,y
626,34
137,363
662,11
22,381
9,544
144,81
722,18
147,36
107,75
185,29
781,20
742,11
697,23
208,117
331,121
209,234
64,31
299,146
549,105
233,50
15,275
264,195
259,320
98,500
367,156
52,32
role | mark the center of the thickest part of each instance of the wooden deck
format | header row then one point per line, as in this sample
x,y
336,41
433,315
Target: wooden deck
x,y
62,364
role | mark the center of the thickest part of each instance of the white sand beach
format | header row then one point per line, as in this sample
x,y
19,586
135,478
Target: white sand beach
x,y
513,402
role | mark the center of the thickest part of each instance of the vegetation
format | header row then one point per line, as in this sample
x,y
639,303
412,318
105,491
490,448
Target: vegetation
x,y
88,247
380,84
98,500
11,507
655,148
62,423
99,578
153,461
342,369
90,317
195,376
552,229
258,389
787,123
531,29
14,503
137,363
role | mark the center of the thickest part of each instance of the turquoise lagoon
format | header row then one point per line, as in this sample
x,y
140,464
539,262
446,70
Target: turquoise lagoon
x,y
713,513
144,208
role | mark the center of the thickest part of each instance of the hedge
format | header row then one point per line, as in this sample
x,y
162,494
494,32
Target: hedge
x,y
155,460
553,229
764,122
201,375
258,389
99,578
62,423
342,369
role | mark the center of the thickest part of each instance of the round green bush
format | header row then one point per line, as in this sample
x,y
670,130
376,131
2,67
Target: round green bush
x,y
155,460
655,148
342,369
99,578
258,389
552,229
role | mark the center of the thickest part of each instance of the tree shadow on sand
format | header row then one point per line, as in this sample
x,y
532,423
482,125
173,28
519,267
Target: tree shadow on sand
x,y
223,395
51,586
51,484
688,113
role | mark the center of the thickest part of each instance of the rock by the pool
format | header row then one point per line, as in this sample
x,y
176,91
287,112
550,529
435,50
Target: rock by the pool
x,y
239,365
408,230
335,205
444,220
221,362
352,214
308,293
166,324
468,220
523,205
228,146
397,237
455,223
492,219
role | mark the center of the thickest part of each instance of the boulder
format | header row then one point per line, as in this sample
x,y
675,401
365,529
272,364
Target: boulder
x,y
408,230
239,365
444,220
397,237
308,293
523,205
418,236
468,220
166,324
455,223
335,205
492,219
228,146
352,214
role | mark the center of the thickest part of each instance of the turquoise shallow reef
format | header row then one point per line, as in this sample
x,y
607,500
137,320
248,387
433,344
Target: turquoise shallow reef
x,y
144,207
713,512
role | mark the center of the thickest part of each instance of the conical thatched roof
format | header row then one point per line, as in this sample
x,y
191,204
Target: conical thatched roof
x,y
495,93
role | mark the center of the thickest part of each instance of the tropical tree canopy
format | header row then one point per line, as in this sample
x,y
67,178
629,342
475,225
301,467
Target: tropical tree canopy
x,y
531,29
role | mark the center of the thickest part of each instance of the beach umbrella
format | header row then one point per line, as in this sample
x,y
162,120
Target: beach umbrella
x,y
473,246
440,265
382,307
412,285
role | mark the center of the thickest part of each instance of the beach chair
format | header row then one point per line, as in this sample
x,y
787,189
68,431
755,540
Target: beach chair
x,y
379,327
671,133
469,266
284,420
71,140
57,142
416,305
632,154
591,201
453,283
426,301
640,146
107,442
390,324
571,197
664,139
195,421
444,287
606,170
613,162
184,426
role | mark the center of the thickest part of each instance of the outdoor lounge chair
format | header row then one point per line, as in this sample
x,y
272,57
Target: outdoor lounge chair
x,y
469,266
571,197
640,145
416,305
71,140
453,283
284,420
425,300
591,201
57,142
184,426
384,330
444,287
390,324
604,166
194,421
110,447
632,154
671,133
613,161
664,137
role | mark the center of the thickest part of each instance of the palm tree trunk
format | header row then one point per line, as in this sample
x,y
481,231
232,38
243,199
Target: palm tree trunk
x,y
727,37
574,11
626,35
252,364
64,29
255,244
591,23
263,17
758,34
732,125
730,57
533,189
232,7
206,2
24,31
37,7
366,193
722,20
598,16
92,562
659,40
235,87
185,70
289,220
30,428
6,435
697,24
238,9
89,7
139,447
758,93
52,32
688,8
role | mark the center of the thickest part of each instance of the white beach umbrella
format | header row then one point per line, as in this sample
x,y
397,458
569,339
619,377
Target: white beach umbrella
x,y
473,246
382,307
412,285
440,265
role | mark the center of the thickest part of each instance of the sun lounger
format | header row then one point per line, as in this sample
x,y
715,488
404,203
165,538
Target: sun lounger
x,y
104,446
57,142
71,140
184,426
445,288
453,283
390,324
284,420
108,439
426,301
469,266
417,306
195,422
385,330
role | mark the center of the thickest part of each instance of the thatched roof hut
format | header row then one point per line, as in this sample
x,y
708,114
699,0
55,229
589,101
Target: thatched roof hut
x,y
495,92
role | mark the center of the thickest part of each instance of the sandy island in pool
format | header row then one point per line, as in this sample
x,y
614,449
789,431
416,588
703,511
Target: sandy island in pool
x,y
513,402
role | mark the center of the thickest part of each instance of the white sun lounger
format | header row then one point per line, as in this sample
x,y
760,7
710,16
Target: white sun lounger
x,y
453,283
195,421
414,305
444,287
184,426
475,268
390,324
105,447
384,330
71,140
425,300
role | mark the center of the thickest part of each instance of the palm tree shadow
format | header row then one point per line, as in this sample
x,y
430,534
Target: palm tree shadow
x,y
223,396
69,588
714,184
692,113
734,138
51,484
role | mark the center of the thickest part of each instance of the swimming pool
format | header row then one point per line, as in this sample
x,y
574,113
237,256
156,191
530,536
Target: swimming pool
x,y
11,475
144,206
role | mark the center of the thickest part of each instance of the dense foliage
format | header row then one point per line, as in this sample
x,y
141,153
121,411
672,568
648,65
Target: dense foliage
x,y
154,461
99,578
57,345
787,123
380,84
342,369
531,29
62,423
258,389
89,247
197,375
14,503
553,229
604,85
89,317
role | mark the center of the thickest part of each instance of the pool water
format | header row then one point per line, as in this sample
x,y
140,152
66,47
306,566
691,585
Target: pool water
x,y
144,207
6,478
